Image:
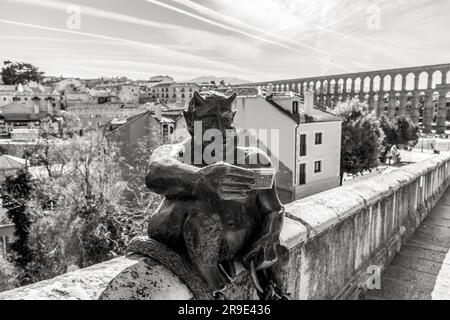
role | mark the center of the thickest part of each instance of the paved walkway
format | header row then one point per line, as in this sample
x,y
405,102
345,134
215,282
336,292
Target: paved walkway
x,y
421,270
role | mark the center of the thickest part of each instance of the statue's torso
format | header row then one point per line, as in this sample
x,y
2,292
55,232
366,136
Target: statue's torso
x,y
233,223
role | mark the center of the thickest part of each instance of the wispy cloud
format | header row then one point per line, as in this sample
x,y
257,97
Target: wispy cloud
x,y
227,27
215,65
252,39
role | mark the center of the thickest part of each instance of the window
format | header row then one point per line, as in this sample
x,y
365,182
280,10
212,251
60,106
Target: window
x,y
294,107
302,145
319,138
317,166
302,174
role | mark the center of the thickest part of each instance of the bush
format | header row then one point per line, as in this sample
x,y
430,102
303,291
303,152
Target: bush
x,y
362,137
8,275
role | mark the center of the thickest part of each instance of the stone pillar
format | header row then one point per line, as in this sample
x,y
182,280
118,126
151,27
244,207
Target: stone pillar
x,y
442,113
392,104
380,107
402,106
415,107
371,101
428,112
403,98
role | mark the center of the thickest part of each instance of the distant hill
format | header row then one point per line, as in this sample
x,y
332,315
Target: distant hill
x,y
228,80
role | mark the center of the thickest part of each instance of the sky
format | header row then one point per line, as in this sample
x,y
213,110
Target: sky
x,y
255,40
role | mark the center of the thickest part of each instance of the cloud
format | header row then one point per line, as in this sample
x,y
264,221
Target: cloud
x,y
227,27
163,51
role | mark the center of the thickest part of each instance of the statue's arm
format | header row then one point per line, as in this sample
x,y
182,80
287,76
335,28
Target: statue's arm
x,y
168,176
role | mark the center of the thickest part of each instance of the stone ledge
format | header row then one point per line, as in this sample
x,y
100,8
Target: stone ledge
x,y
131,277
322,211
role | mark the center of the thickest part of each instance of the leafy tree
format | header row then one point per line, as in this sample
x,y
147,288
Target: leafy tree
x,y
399,131
72,217
20,72
78,213
362,137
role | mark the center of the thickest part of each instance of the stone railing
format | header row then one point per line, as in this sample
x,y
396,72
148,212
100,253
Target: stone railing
x,y
333,237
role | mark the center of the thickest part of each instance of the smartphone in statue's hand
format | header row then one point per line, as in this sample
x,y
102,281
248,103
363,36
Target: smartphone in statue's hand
x,y
264,178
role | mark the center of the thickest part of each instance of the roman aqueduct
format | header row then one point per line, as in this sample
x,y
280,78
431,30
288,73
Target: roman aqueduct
x,y
421,93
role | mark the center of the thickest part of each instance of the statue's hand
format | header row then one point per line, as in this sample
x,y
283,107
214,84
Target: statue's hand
x,y
226,181
263,252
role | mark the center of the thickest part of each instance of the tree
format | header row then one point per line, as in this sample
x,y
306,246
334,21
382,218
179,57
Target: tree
x,y
140,201
72,217
15,193
20,72
362,137
399,131
77,214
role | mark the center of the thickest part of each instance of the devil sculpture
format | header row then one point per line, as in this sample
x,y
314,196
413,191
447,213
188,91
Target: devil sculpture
x,y
217,210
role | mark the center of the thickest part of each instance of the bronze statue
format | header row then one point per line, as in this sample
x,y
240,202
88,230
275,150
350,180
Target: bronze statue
x,y
216,213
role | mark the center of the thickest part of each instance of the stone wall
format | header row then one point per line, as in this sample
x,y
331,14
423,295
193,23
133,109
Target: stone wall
x,y
333,238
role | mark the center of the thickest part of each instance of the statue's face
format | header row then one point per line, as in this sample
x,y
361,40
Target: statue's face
x,y
214,113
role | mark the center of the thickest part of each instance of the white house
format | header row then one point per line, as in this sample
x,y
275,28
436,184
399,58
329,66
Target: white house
x,y
304,143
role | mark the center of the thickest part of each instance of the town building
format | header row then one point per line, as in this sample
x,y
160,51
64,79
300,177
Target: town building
x,y
129,94
97,115
303,141
41,99
180,93
132,134
20,121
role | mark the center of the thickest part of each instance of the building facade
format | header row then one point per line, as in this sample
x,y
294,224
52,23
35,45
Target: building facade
x,y
41,99
304,142
180,93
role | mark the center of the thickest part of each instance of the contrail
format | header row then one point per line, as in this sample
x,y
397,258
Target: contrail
x,y
231,20
91,11
224,66
223,26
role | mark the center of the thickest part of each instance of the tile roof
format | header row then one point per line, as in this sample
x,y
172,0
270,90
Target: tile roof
x,y
318,115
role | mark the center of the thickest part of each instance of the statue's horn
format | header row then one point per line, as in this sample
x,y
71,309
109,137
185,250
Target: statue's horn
x,y
198,99
231,98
